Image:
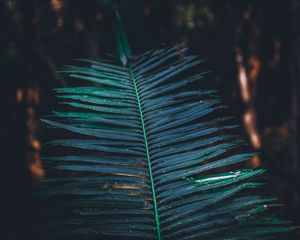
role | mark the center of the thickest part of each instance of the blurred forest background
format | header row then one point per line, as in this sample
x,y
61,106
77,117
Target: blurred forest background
x,y
252,46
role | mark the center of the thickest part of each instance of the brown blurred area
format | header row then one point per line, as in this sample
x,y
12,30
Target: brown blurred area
x,y
252,46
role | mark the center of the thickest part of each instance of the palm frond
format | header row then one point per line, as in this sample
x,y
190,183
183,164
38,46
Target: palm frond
x,y
143,156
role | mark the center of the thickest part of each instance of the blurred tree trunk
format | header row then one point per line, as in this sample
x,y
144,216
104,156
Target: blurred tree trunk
x,y
17,186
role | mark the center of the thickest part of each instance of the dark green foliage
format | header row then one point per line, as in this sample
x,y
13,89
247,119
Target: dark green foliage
x,y
143,156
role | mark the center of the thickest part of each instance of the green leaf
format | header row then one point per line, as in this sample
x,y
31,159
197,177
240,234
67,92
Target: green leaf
x,y
142,153
123,47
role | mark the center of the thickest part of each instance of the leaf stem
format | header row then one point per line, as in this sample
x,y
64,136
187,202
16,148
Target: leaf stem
x,y
147,154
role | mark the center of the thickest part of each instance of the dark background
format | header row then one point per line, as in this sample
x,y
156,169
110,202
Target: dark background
x,y
252,46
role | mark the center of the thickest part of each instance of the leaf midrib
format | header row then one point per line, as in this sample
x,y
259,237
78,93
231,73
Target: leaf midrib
x,y
157,222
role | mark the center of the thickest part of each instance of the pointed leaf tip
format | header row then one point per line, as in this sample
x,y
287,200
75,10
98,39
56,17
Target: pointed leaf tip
x,y
124,50
118,15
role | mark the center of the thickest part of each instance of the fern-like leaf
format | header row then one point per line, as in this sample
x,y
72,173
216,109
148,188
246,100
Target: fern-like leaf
x,y
145,156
